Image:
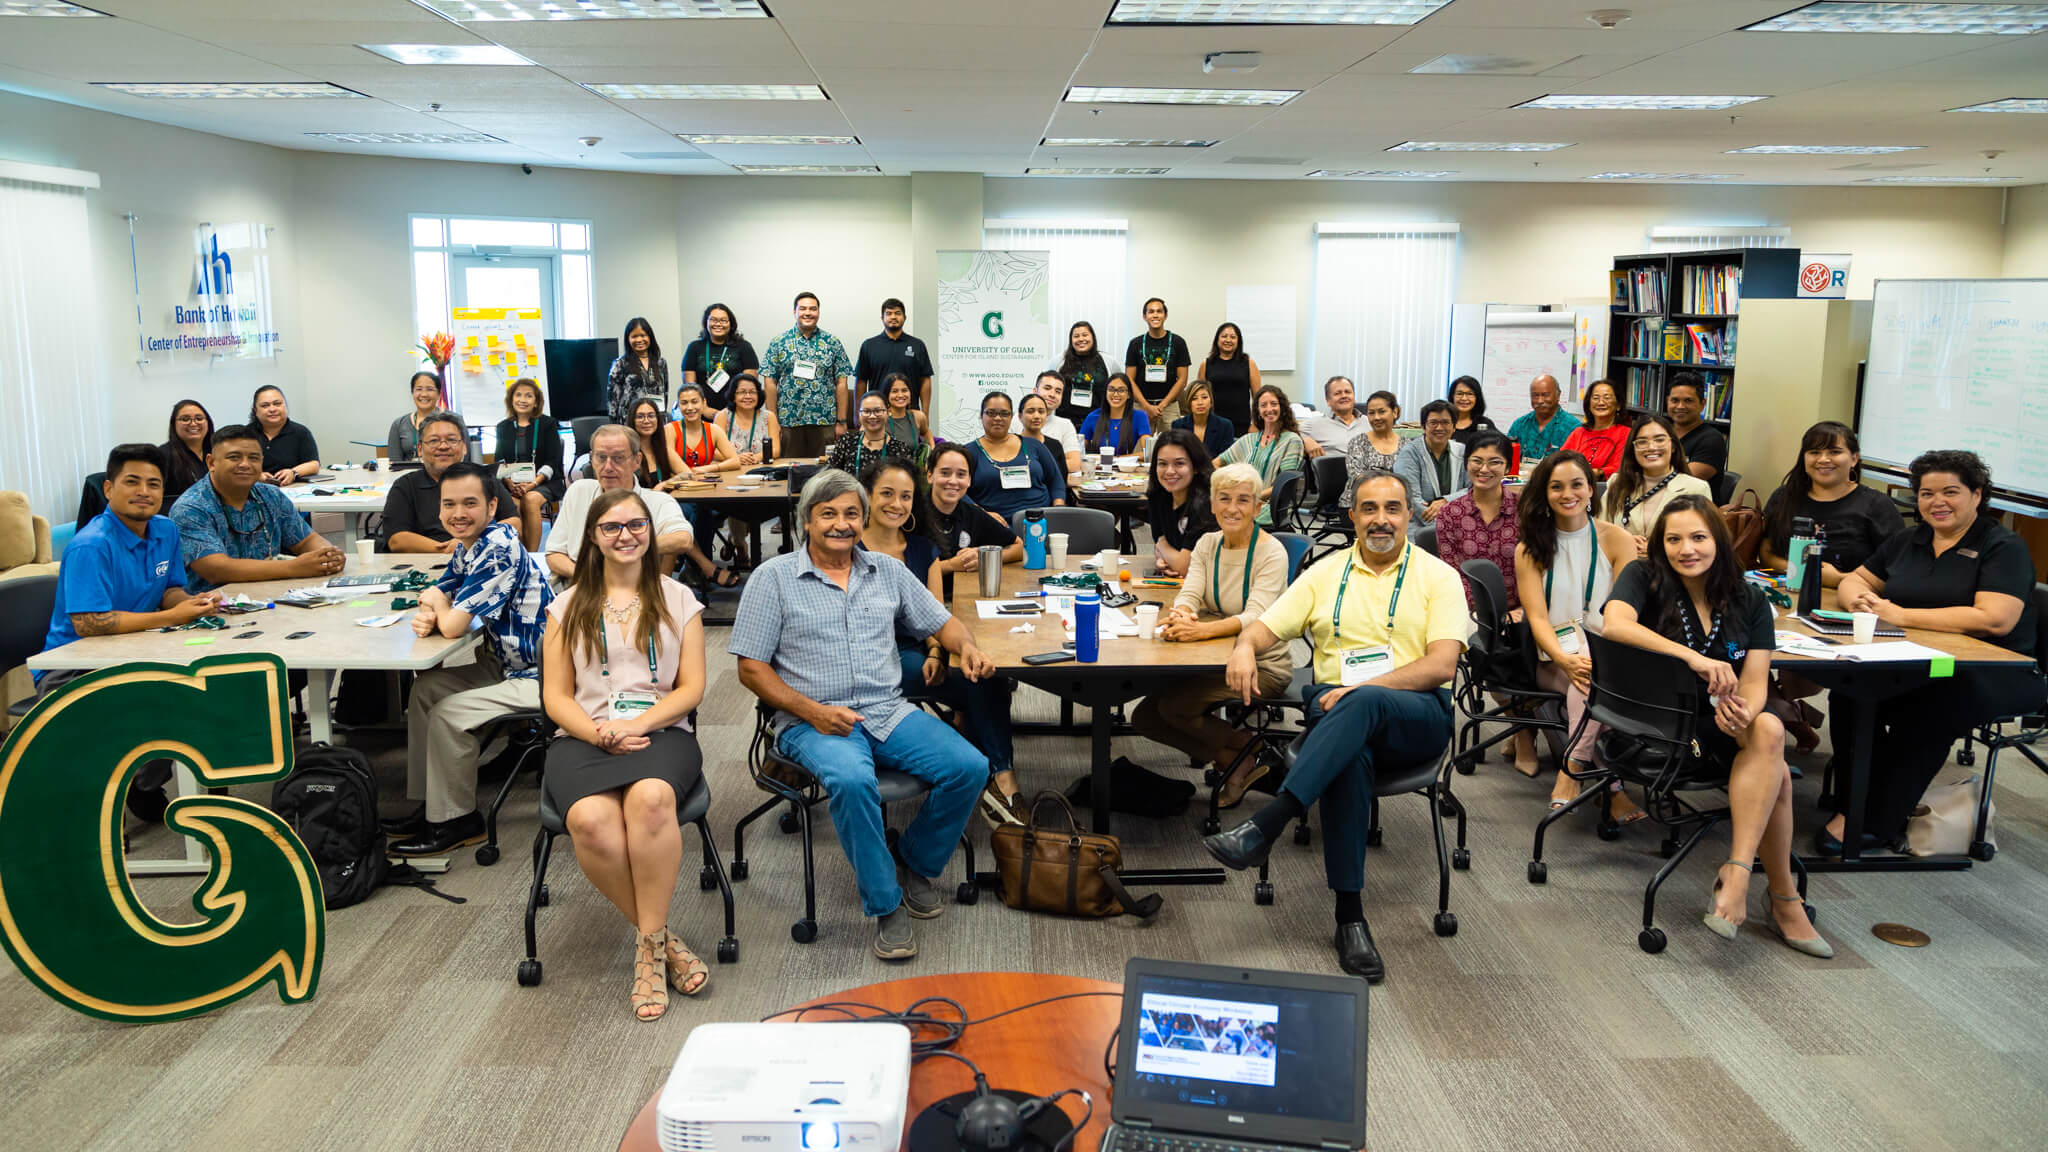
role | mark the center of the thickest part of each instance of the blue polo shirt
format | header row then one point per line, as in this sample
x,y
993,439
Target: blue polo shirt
x,y
107,568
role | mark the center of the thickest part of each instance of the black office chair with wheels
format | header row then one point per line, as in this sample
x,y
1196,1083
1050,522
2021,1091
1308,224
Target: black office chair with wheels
x,y
1265,713
1725,485
1425,538
1088,530
1499,662
1328,521
790,785
582,426
2030,730
1283,507
25,606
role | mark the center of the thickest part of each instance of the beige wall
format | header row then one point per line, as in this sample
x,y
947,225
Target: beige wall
x,y
2026,232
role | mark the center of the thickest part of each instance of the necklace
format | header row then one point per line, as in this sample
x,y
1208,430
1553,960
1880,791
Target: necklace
x,y
622,614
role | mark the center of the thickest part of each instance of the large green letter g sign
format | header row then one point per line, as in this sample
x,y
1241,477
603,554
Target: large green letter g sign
x,y
992,325
68,915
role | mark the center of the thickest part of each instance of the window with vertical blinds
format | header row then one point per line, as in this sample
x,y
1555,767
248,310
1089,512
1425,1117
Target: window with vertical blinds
x,y
1381,314
1086,278
1695,237
54,412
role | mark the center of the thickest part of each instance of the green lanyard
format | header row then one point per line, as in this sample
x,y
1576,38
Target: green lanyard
x,y
1259,463
604,663
1592,568
1216,568
722,350
751,421
1337,616
534,456
1145,348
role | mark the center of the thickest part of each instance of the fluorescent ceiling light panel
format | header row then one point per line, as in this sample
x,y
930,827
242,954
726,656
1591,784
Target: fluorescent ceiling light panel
x,y
1118,142
1662,176
1482,64
405,137
809,169
1096,171
742,138
1272,11
1236,97
231,91
43,8
1823,149
2014,104
480,11
1579,103
1937,180
1964,19
708,91
447,53
1472,146
1376,174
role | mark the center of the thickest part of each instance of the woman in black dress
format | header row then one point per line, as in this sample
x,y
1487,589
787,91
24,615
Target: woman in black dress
x,y
622,675
715,359
1468,412
1232,375
529,456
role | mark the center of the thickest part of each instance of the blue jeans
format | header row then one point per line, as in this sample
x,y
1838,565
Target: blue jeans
x,y
920,746
704,524
985,705
1368,725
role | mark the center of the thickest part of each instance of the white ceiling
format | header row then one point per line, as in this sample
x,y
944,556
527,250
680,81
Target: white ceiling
x,y
974,85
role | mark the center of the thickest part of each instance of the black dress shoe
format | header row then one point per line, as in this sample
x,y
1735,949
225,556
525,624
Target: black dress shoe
x,y
1240,848
413,823
1356,954
1826,845
443,838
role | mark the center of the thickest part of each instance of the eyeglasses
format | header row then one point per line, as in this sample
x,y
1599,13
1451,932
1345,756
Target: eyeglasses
x,y
611,457
442,442
1485,464
191,419
609,529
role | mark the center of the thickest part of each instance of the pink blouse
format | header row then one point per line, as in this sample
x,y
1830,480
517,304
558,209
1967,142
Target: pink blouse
x,y
1461,535
628,662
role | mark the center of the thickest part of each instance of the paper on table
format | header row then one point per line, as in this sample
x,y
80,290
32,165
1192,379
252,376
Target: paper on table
x,y
384,621
1940,663
1801,644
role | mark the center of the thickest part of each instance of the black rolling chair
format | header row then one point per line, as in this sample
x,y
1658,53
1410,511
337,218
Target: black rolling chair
x,y
789,783
529,730
1425,538
1265,713
1499,661
1725,485
1649,704
582,426
1088,530
25,606
1328,521
92,499
2030,731
1283,507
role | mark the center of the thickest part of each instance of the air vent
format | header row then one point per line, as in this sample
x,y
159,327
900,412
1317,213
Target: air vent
x,y
1268,161
687,1136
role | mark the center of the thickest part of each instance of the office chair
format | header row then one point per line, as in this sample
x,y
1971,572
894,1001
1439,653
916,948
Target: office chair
x,y
1265,713
1328,521
1284,505
1499,660
1425,538
2032,727
1088,530
25,607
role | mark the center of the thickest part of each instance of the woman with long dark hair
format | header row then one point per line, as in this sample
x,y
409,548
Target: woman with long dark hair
x,y
1378,447
1085,372
1215,433
1118,421
658,463
1604,435
715,359
1824,486
1232,375
1651,475
1177,498
185,448
1273,448
289,451
638,371
1687,599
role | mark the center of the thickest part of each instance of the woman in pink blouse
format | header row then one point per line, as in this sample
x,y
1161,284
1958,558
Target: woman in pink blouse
x,y
1479,524
1604,435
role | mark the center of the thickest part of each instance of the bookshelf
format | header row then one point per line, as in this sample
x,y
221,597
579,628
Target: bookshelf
x,y
1683,311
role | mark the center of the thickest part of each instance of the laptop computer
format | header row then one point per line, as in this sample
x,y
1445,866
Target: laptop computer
x,y
1214,1057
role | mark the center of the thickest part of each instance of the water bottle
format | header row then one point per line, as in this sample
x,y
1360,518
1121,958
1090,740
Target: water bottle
x,y
1795,551
1087,626
1034,539
1810,580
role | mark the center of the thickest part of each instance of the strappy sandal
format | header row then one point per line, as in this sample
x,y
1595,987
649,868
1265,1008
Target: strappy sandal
x,y
648,989
686,971
723,577
1814,945
1235,787
1721,927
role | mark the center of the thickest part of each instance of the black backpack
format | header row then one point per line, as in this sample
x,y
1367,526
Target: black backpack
x,y
330,800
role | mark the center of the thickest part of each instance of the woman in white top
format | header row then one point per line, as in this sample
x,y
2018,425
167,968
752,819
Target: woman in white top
x,y
1234,575
1652,474
622,673
1566,561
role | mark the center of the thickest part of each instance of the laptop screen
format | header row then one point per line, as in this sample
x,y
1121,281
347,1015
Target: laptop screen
x,y
1257,1054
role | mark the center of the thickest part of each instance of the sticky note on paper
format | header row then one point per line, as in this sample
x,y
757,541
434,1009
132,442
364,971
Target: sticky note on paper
x,y
531,359
519,338
472,364
472,342
494,339
1941,667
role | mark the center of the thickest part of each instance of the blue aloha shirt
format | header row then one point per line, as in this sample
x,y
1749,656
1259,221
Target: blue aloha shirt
x,y
806,402
505,593
265,526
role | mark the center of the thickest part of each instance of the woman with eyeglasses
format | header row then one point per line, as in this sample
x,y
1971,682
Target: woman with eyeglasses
x,y
622,674
191,438
639,371
289,453
1480,523
658,463
402,442
1468,411
1652,474
1603,438
718,356
1010,472
528,453
1118,424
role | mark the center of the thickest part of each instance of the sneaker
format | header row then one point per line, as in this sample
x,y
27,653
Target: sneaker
x,y
920,894
895,937
998,809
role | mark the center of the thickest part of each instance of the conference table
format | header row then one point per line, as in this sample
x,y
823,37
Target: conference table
x,y
1121,494
349,492
750,500
1038,1051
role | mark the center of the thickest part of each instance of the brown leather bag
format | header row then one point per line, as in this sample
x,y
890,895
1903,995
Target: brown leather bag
x,y
1746,525
1066,871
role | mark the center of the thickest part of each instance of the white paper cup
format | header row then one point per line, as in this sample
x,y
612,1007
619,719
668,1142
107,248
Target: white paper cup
x,y
365,549
1863,626
1056,547
1106,560
1148,621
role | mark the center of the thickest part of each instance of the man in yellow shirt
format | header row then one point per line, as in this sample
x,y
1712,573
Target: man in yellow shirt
x,y
1387,621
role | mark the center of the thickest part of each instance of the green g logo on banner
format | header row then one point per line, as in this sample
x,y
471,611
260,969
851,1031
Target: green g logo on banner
x,y
69,917
992,325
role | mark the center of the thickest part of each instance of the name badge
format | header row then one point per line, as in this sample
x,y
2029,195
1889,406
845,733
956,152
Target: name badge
x,y
1081,395
718,381
1358,665
1015,476
628,703
804,370
1568,638
1155,373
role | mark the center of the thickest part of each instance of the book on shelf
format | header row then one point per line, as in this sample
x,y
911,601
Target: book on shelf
x,y
1711,289
1637,289
1642,389
1645,339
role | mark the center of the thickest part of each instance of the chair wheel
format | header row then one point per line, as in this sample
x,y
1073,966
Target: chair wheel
x,y
544,897
804,931
1211,826
1211,777
728,950
487,855
967,893
738,871
1607,831
1651,940
529,973
1461,858
1446,924
1467,765
787,822
1373,836
1966,757
1983,850
707,878
1302,835
1262,892
1668,849
1539,872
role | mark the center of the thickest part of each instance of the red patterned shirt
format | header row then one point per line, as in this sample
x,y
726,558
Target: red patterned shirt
x,y
1461,535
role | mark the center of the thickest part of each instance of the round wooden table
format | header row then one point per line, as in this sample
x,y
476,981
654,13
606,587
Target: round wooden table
x,y
1039,1050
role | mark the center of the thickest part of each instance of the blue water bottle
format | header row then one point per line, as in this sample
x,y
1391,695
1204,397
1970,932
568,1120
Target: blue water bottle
x,y
1087,626
1034,539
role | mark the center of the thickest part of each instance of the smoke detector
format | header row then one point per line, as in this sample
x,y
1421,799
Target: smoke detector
x,y
1609,17
588,141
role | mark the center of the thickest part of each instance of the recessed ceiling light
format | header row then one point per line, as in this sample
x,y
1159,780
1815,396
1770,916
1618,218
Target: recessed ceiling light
x,y
477,11
1565,100
1472,146
1970,19
742,138
44,8
1937,179
708,91
1376,174
1663,176
1272,11
2014,104
1082,94
1823,149
1118,142
809,169
447,53
1482,64
231,91
1096,171
405,137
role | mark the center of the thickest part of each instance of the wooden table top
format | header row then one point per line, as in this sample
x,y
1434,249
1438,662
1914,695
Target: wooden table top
x,y
725,491
336,641
1965,649
1008,648
1040,1051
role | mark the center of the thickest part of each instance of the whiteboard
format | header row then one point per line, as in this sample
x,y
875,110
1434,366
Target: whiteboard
x,y
1960,364
1520,346
1264,314
493,347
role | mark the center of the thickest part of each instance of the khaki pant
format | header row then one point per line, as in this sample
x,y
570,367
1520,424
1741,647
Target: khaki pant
x,y
1168,413
1180,718
448,706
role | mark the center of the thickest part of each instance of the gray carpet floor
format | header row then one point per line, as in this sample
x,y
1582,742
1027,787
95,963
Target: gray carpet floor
x,y
1540,1025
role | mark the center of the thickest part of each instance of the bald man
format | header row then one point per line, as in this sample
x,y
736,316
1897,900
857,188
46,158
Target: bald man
x,y
1544,429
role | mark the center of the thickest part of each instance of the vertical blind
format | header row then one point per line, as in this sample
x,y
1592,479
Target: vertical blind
x,y
54,415
1695,237
1085,279
1382,310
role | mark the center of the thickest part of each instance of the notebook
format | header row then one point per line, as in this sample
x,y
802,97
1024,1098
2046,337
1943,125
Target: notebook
x,y
1843,627
1225,1057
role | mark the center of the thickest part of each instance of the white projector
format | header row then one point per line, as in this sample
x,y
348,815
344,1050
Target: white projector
x,y
787,1088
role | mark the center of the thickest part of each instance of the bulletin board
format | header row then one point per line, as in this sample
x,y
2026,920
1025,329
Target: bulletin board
x,y
493,347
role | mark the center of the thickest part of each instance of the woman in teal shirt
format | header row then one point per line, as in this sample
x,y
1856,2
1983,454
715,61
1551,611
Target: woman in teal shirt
x,y
1273,450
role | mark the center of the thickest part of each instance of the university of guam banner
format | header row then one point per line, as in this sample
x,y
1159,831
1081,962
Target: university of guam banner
x,y
995,333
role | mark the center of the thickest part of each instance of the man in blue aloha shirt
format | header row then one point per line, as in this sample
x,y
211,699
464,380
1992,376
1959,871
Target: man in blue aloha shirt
x,y
807,376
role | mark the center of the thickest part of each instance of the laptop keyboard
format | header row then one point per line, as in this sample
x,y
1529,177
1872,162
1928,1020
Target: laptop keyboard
x,y
1134,1140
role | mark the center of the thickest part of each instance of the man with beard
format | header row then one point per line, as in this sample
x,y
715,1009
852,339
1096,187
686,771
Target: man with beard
x,y
894,351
